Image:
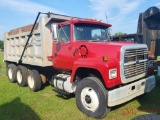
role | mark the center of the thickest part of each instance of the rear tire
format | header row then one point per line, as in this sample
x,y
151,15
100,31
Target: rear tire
x,y
34,80
11,72
21,74
91,97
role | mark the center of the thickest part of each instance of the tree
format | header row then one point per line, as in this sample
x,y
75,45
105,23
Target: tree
x,y
119,34
1,45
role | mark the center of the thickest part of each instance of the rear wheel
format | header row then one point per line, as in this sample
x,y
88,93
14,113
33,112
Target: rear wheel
x,y
91,97
11,72
34,80
22,73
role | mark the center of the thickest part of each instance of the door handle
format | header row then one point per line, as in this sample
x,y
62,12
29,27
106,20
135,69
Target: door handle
x,y
55,54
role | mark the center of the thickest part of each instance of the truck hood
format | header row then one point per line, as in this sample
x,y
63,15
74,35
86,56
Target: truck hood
x,y
97,50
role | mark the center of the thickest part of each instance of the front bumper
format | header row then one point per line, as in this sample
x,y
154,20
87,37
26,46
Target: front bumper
x,y
130,91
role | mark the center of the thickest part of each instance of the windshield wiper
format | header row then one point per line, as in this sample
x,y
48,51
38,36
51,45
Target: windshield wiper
x,y
99,40
94,40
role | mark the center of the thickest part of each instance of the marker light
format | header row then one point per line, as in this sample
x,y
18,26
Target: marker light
x,y
105,58
149,52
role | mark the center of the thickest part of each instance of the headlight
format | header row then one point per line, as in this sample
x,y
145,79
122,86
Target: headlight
x,y
112,73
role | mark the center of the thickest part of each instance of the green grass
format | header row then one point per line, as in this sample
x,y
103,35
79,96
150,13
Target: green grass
x,y
2,64
19,103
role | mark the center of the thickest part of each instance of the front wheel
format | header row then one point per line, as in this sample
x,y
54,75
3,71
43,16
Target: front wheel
x,y
91,97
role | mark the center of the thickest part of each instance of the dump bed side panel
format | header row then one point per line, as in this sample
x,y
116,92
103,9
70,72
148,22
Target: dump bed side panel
x,y
38,48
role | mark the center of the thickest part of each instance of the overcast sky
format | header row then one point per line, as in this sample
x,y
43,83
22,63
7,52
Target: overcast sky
x,y
122,14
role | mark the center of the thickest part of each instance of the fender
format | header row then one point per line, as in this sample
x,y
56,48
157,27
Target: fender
x,y
102,67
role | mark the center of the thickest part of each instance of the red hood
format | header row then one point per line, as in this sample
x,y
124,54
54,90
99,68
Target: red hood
x,y
98,49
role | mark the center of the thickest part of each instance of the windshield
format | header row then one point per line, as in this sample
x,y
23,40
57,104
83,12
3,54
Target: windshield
x,y
91,32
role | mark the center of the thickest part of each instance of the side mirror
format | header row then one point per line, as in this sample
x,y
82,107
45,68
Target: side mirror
x,y
54,32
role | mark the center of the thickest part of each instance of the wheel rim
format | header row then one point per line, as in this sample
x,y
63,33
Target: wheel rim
x,y
10,73
89,99
30,81
19,76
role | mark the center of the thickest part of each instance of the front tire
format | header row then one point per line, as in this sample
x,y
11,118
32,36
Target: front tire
x,y
34,80
91,97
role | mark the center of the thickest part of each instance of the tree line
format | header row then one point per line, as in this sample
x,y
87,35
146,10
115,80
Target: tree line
x,y
1,44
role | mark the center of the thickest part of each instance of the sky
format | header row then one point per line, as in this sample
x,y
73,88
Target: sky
x,y
122,14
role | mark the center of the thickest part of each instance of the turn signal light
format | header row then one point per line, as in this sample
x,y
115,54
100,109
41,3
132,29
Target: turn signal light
x,y
105,58
149,52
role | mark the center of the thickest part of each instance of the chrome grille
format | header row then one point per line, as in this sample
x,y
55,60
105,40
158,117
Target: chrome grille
x,y
135,54
135,62
131,70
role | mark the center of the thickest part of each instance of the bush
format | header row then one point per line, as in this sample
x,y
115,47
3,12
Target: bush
x,y
119,34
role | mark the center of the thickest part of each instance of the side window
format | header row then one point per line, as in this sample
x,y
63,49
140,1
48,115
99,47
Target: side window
x,y
64,33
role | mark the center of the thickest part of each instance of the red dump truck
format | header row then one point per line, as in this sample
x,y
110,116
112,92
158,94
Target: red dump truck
x,y
77,57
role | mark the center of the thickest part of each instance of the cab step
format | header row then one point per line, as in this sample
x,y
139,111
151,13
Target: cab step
x,y
61,92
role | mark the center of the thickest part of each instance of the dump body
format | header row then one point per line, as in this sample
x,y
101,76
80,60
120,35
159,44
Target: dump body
x,y
149,26
40,43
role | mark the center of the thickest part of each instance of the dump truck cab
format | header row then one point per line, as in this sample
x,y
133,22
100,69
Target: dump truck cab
x,y
71,37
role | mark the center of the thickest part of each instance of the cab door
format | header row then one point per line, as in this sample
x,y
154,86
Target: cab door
x,y
62,50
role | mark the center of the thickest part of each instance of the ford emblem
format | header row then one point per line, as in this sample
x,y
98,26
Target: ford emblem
x,y
137,61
